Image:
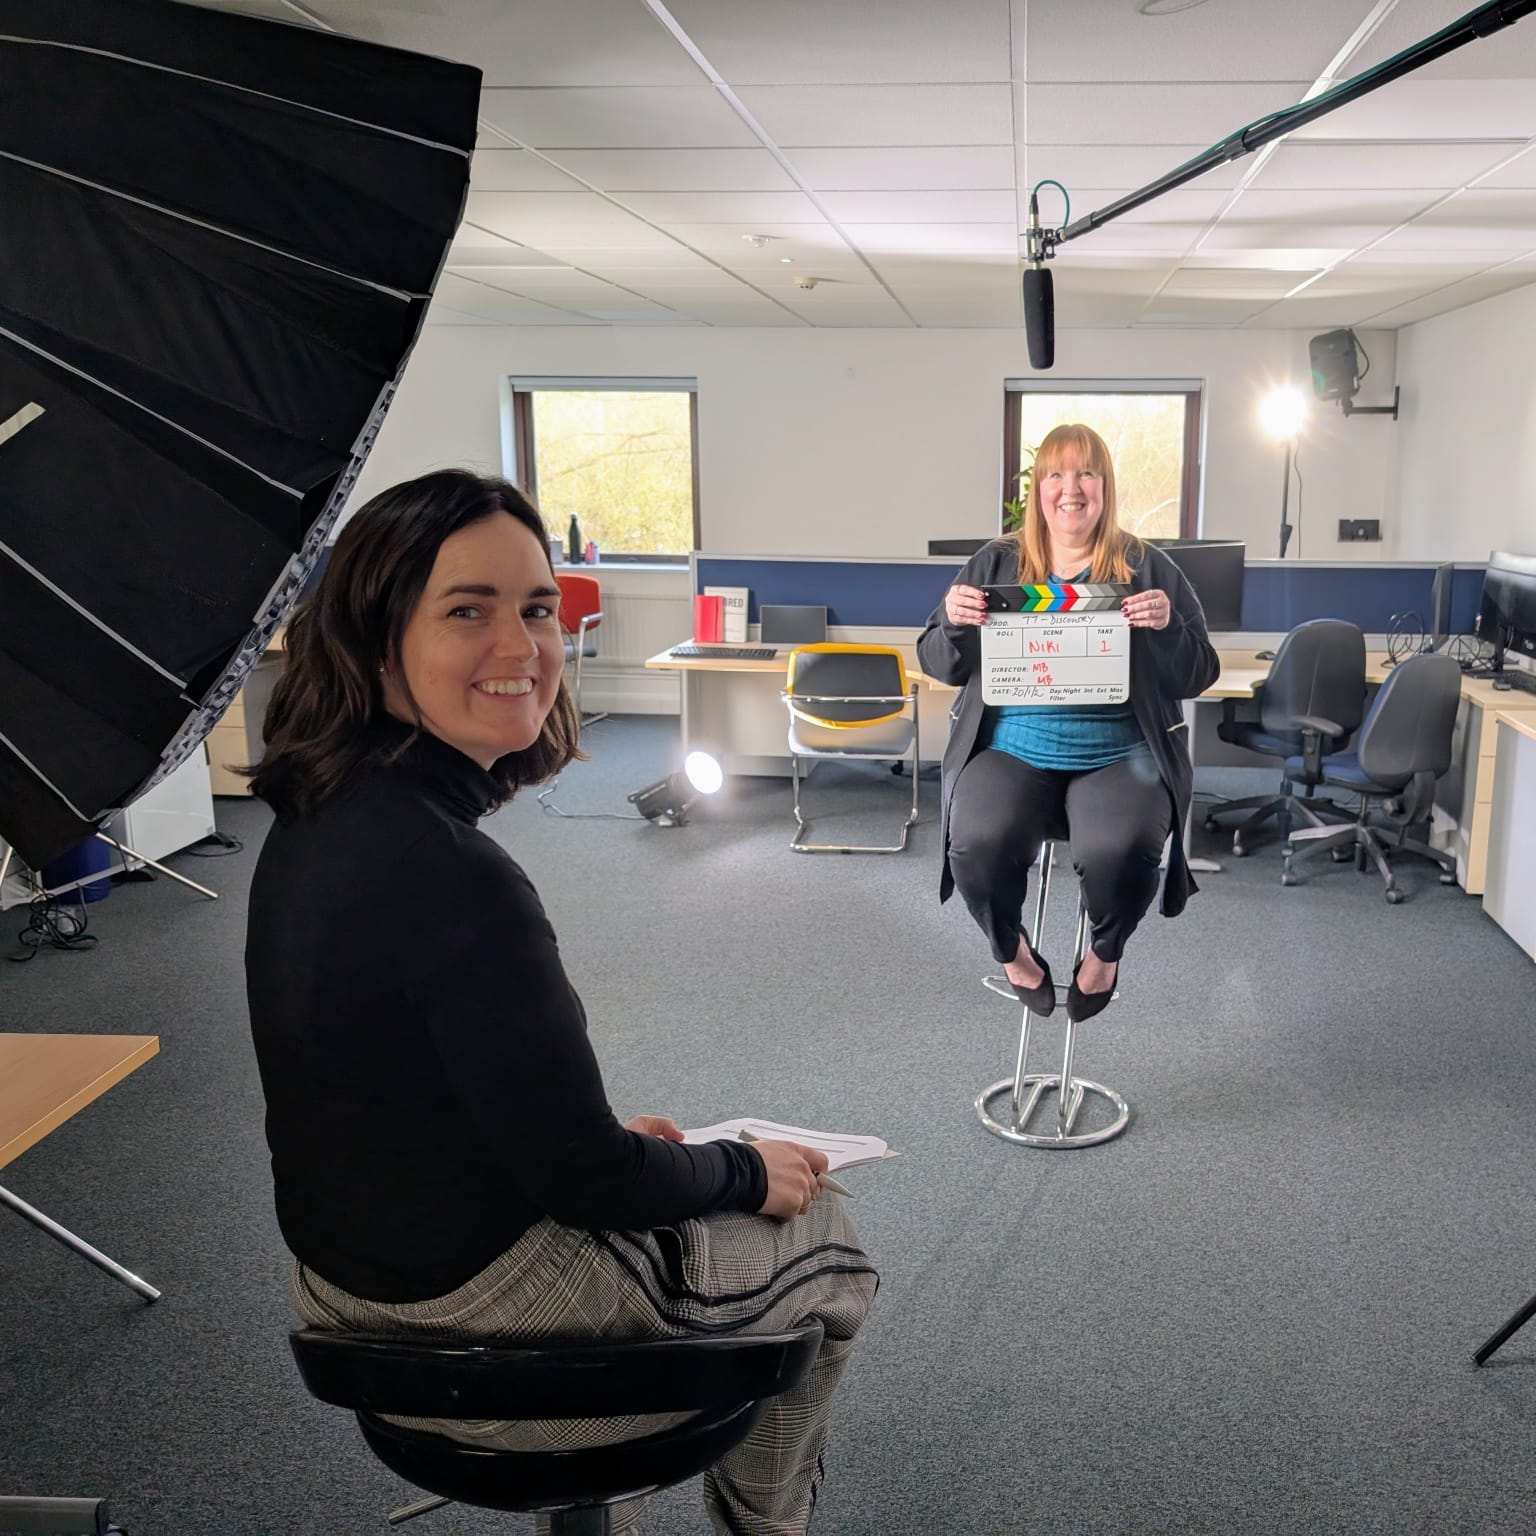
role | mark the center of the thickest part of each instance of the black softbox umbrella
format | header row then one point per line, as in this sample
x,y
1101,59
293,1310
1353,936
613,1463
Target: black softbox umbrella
x,y
218,237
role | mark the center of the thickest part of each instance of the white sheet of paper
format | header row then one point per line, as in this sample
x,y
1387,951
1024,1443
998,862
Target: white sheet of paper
x,y
842,1151
1056,658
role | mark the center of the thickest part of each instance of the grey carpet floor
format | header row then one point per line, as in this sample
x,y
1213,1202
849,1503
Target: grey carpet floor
x,y
1254,1312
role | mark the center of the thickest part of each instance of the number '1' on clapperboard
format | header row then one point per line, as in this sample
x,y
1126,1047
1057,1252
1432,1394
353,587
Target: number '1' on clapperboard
x,y
1056,643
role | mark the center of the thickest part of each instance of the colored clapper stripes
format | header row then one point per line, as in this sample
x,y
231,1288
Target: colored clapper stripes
x,y
1071,596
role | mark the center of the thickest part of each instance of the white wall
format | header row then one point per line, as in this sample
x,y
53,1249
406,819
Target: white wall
x,y
1465,467
840,442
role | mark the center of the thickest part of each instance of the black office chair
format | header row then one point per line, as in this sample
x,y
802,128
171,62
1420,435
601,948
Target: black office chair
x,y
1310,704
1405,745
722,1382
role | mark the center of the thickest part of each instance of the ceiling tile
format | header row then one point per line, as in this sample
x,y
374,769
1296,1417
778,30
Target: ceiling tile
x,y
534,42
678,170
831,115
1233,282
1162,114
516,170
983,239
491,303
1422,166
1457,296
1078,166
1110,40
1325,208
923,207
741,208
1508,54
808,42
957,168
1520,172
1416,108
655,117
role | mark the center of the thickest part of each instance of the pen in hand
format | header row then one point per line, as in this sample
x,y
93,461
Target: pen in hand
x,y
826,1180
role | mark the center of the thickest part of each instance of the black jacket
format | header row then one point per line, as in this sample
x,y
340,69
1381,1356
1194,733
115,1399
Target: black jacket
x,y
431,1090
1167,666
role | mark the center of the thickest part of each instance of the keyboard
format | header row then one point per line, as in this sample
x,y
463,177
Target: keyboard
x,y
1525,682
724,652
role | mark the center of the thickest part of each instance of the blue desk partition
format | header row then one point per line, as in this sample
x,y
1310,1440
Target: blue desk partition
x,y
1277,594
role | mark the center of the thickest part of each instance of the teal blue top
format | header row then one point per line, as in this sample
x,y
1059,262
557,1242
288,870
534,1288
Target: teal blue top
x,y
1073,737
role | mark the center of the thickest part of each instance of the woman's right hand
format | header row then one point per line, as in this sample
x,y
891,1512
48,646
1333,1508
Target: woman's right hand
x,y
792,1171
965,605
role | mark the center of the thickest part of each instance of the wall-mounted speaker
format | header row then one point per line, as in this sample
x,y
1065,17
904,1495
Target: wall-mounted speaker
x,y
1335,359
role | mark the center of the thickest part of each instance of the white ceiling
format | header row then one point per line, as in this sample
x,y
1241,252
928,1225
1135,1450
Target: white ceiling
x,y
683,162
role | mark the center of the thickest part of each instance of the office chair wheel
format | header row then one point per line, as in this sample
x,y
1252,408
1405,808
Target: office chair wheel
x,y
1287,878
1395,896
1342,855
1447,878
1211,824
1238,851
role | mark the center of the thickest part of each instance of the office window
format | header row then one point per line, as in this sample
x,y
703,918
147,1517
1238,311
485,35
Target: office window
x,y
1153,433
618,454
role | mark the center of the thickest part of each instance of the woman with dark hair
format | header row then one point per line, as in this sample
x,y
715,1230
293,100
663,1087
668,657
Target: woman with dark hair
x,y
444,1156
1117,775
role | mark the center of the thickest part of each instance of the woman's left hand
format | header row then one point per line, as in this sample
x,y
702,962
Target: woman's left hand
x,y
654,1125
1147,610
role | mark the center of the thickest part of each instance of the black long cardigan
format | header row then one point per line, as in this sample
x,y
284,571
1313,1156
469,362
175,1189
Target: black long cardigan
x,y
1167,666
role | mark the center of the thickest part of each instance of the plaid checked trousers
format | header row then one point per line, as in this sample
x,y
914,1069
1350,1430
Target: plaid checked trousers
x,y
725,1273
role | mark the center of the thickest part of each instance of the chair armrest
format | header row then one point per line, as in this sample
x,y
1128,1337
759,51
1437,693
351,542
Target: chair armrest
x,y
1321,724
848,698
589,621
1315,729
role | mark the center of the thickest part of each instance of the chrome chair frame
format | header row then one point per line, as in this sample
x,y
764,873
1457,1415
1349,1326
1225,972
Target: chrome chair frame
x,y
802,826
1025,1088
577,644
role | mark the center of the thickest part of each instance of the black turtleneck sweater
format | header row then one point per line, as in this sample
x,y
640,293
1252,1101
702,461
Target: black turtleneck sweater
x,y
431,1090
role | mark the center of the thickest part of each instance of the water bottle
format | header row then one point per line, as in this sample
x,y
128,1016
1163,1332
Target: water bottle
x,y
573,541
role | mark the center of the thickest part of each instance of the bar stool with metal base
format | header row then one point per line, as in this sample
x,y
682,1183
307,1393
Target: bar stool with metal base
x,y
1025,1089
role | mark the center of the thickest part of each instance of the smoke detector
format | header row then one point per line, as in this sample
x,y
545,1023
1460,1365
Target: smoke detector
x,y
806,283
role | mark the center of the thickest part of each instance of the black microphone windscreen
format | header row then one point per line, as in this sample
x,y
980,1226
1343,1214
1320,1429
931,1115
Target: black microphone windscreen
x,y
1040,316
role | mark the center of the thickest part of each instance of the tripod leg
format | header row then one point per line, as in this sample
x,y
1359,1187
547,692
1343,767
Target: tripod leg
x,y
64,1235
1507,1332
123,848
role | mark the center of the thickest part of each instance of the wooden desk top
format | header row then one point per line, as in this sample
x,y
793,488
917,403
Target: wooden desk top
x,y
44,1079
1523,721
1241,673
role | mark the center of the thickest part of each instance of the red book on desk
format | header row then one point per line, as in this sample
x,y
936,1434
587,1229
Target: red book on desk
x,y
708,619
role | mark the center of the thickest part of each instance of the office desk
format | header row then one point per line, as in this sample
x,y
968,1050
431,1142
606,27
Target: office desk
x,y
1510,896
45,1079
732,706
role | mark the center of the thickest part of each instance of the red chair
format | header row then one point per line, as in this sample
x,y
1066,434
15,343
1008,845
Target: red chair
x,y
581,611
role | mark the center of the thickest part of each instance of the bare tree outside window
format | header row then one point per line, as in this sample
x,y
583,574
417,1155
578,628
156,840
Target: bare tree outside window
x,y
620,461
1150,437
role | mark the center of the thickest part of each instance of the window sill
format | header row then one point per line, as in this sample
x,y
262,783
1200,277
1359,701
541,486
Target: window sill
x,y
610,566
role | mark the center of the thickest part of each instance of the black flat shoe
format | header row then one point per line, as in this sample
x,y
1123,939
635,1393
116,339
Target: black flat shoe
x,y
1041,999
1084,1005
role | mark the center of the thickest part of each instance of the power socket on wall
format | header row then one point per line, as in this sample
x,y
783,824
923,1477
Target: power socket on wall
x,y
1357,530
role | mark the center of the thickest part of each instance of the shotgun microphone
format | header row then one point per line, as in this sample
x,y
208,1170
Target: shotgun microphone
x,y
1039,296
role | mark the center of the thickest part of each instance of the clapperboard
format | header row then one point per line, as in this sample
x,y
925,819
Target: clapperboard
x,y
1057,642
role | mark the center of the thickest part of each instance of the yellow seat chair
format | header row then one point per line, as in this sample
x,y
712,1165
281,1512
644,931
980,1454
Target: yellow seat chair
x,y
850,701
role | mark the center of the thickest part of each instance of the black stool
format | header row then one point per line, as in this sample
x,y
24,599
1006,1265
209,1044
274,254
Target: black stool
x,y
1026,1088
723,1382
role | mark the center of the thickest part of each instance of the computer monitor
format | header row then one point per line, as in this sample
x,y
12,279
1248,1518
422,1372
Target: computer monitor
x,y
792,624
962,547
1440,607
1214,568
1507,617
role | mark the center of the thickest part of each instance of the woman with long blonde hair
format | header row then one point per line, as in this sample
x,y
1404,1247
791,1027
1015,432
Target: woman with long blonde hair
x,y
1115,777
